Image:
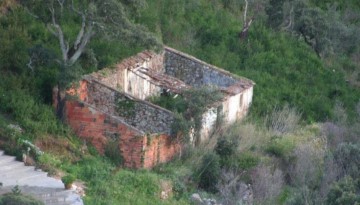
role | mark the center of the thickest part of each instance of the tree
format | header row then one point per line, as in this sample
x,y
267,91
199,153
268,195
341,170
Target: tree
x,y
247,23
275,13
345,191
75,23
326,30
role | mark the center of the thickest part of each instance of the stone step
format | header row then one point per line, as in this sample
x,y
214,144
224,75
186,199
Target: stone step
x,y
45,182
17,170
20,171
48,196
11,165
55,193
34,182
21,180
5,159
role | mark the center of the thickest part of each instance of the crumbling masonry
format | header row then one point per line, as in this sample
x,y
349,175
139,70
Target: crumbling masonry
x,y
142,129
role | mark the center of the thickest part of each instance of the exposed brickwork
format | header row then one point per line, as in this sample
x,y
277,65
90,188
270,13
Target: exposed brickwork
x,y
112,104
94,126
159,149
136,148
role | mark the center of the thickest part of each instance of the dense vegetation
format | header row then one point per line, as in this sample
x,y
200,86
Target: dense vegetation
x,y
300,144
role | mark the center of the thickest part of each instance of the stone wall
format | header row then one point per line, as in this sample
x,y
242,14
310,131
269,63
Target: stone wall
x,y
127,75
194,71
136,149
140,114
209,120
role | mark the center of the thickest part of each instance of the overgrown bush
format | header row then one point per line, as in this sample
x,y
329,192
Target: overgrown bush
x,y
231,189
230,158
283,120
347,156
280,147
30,113
209,172
68,180
345,191
267,184
225,148
113,152
246,160
18,199
189,108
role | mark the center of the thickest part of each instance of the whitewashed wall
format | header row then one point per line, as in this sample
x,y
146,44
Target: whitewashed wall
x,y
233,108
137,84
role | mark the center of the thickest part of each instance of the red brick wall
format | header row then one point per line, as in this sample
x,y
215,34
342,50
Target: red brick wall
x,y
81,91
137,152
159,149
93,126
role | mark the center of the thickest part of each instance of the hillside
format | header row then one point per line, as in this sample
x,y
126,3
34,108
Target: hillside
x,y
299,144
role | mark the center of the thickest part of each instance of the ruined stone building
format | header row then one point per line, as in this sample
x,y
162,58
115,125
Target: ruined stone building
x,y
141,129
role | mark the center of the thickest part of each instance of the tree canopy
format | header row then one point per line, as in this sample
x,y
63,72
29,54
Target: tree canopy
x,y
76,23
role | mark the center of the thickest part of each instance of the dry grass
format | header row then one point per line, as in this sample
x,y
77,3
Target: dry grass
x,y
267,184
5,5
60,147
283,120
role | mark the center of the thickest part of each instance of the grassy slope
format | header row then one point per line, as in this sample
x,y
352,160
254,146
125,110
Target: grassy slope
x,y
285,69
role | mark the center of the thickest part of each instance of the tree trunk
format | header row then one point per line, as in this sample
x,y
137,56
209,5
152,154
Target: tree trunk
x,y
60,104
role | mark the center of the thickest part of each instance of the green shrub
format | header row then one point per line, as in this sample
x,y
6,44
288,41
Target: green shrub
x,y
347,156
240,161
276,150
125,106
68,179
209,172
179,188
297,198
113,152
225,147
280,147
29,112
188,108
18,199
172,102
345,191
181,126
247,160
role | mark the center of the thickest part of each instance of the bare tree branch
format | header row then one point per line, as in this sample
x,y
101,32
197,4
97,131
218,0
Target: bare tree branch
x,y
30,13
245,12
29,64
84,41
247,24
59,33
290,19
81,32
51,30
61,3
